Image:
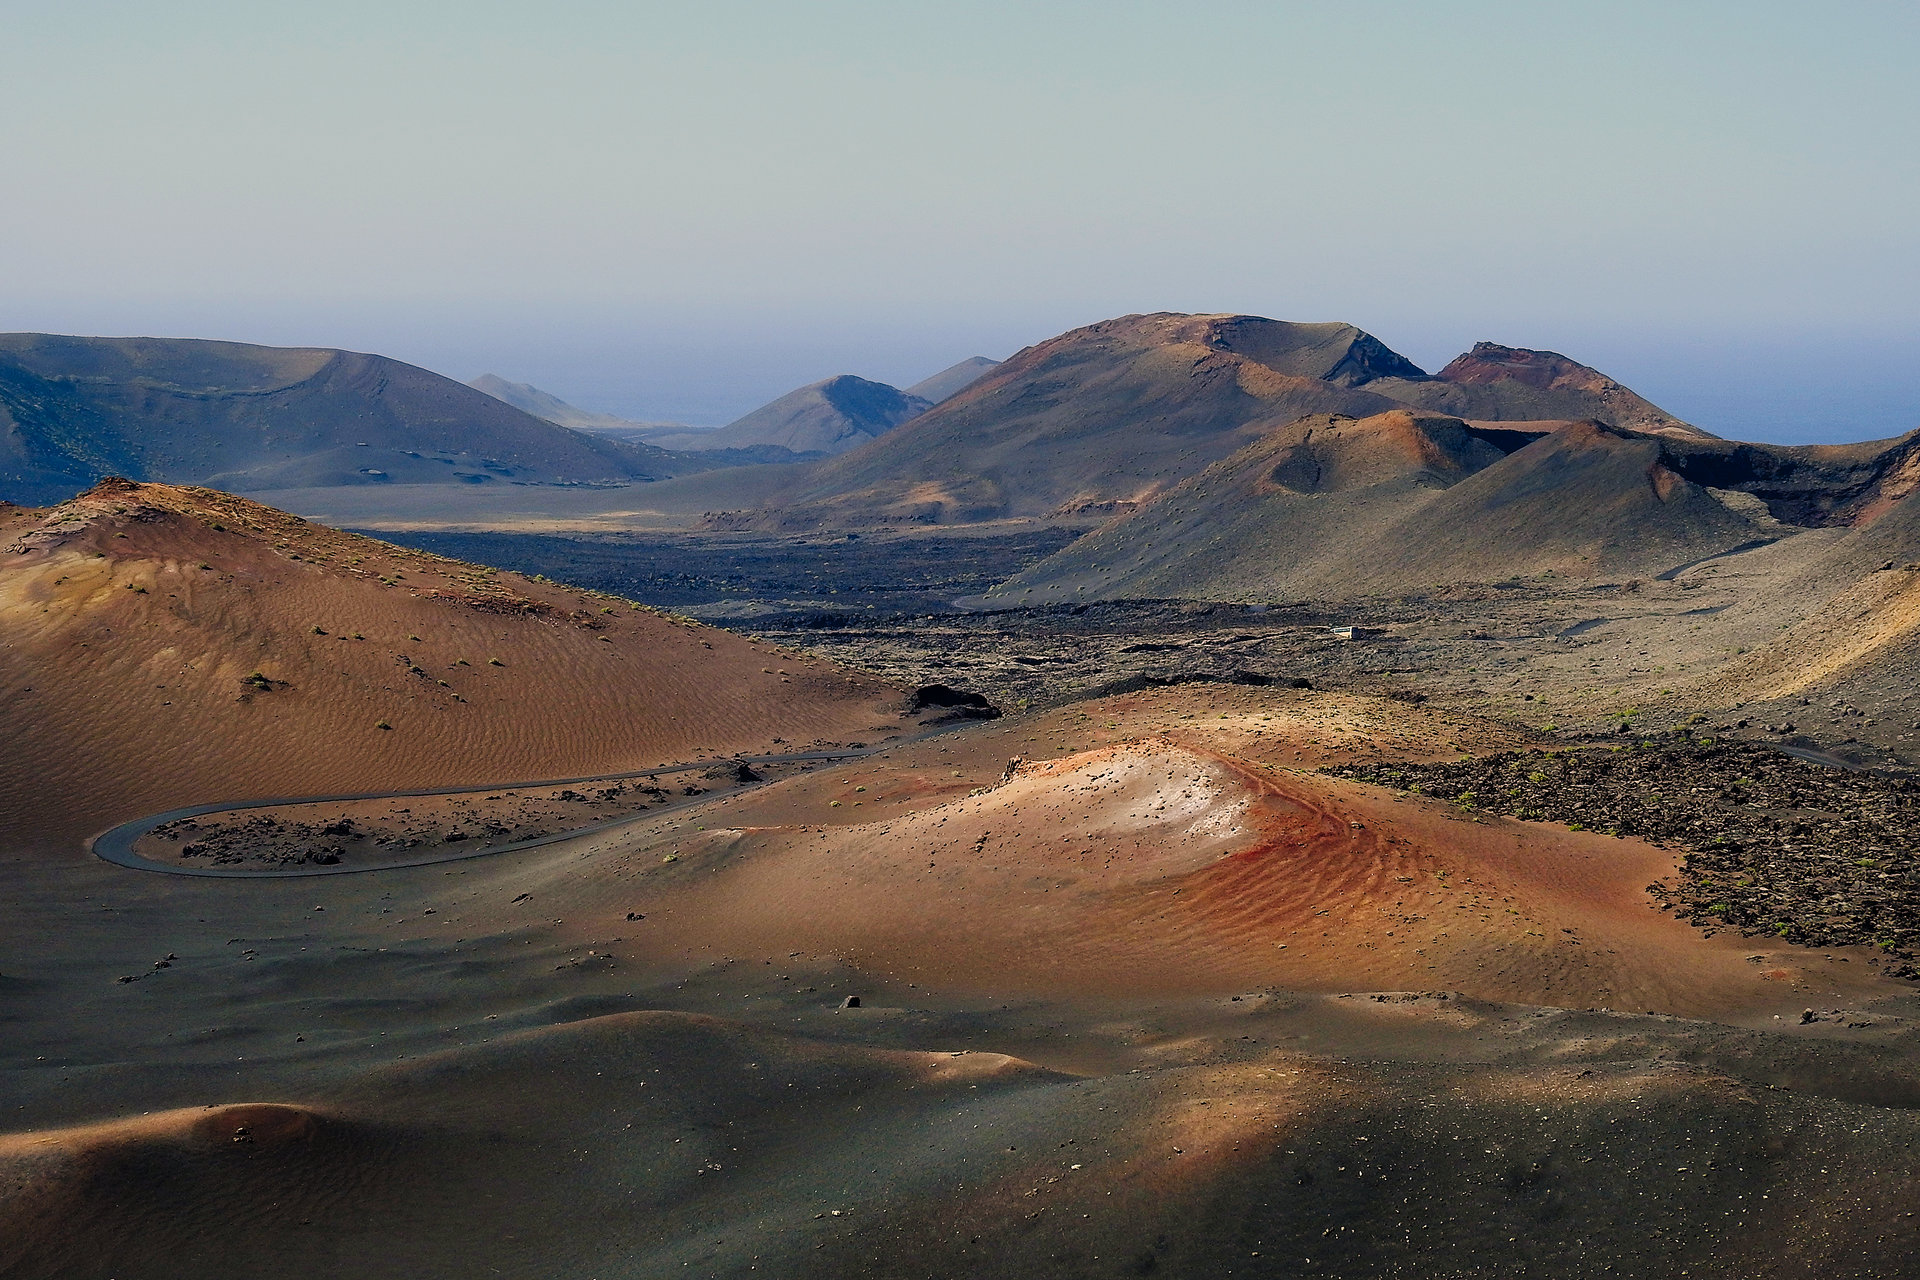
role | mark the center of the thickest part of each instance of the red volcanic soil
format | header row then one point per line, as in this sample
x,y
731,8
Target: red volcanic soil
x,y
166,646
1490,362
1188,855
1140,993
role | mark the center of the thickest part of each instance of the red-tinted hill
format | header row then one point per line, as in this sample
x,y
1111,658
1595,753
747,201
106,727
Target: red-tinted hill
x,y
168,646
1105,418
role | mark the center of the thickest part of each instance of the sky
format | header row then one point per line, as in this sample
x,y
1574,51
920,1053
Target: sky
x,y
678,211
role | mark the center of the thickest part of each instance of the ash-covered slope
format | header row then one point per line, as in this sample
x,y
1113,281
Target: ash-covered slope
x,y
1104,418
1339,508
1586,499
244,417
1277,511
954,379
166,646
1507,384
820,419
1093,420
544,404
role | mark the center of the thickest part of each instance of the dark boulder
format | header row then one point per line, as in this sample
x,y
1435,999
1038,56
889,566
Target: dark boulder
x,y
956,704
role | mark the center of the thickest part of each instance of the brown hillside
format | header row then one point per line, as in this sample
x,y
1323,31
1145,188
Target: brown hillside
x,y
1099,420
1587,499
1094,420
248,418
1499,383
1274,513
1401,501
1338,508
166,646
822,418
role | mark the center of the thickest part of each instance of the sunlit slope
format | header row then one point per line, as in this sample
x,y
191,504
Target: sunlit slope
x,y
167,646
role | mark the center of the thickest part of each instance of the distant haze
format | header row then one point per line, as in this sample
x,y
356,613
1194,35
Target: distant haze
x,y
681,212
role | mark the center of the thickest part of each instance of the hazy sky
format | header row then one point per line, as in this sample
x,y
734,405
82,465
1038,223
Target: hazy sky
x,y
682,210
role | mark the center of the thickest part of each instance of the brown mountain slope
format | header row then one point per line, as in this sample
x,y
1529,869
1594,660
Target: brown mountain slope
x,y
1269,514
245,417
1860,641
1587,499
1103,418
1336,507
1095,419
954,379
826,417
168,646
1496,383
544,404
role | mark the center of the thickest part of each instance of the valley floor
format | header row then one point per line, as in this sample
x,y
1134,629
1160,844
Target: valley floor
x,y
1136,988
1246,942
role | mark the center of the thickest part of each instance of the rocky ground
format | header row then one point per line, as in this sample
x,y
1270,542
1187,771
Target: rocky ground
x,y
371,832
1776,845
718,576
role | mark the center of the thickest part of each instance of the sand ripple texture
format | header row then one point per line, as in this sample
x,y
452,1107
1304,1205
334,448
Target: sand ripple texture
x,y
1172,861
168,646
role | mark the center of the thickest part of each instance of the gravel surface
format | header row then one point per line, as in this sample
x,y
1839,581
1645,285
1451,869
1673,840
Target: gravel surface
x,y
1775,845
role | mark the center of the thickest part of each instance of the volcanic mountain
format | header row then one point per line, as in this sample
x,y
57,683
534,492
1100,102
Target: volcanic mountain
x,y
1103,418
1336,507
820,419
171,645
1504,384
246,417
544,404
951,381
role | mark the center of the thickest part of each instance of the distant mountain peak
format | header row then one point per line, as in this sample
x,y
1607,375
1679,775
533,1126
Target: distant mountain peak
x,y
830,416
528,398
1331,351
951,381
1492,365
1548,370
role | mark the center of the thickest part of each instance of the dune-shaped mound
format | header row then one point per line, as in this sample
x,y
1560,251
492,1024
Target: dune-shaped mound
x,y
169,646
1159,864
191,1184
471,1159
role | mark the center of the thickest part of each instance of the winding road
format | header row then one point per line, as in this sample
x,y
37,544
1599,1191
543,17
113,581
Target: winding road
x,y
115,844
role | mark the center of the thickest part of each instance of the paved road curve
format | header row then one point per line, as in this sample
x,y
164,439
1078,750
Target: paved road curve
x,y
115,845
